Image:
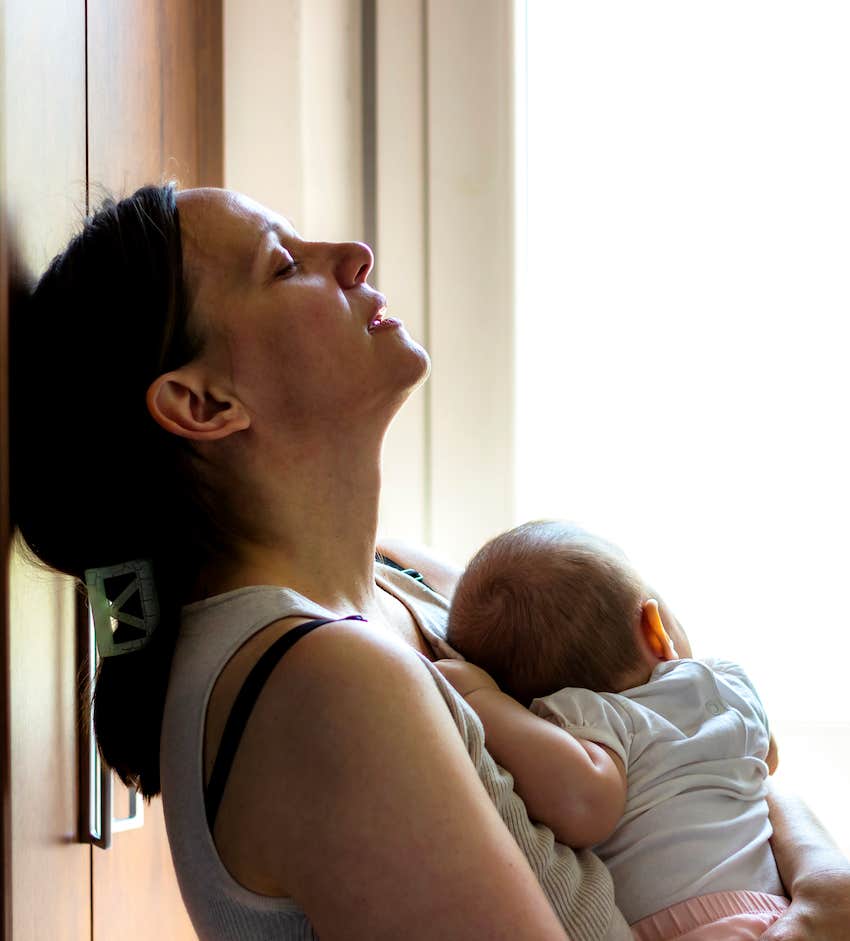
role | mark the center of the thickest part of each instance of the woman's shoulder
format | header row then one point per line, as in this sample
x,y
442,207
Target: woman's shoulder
x,y
441,576
348,657
348,701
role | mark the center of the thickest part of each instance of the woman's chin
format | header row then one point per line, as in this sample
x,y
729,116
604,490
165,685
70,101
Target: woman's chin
x,y
415,367
425,370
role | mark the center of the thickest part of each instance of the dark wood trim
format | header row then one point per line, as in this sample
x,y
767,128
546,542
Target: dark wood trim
x,y
83,725
5,534
209,83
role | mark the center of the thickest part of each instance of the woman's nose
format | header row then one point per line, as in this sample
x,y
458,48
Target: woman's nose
x,y
355,260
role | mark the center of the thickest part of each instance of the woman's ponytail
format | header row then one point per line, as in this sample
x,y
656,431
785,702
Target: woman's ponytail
x,y
94,480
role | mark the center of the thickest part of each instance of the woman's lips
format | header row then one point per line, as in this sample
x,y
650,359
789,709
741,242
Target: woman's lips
x,y
380,321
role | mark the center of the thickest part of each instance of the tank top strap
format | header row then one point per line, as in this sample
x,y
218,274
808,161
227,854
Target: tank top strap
x,y
391,563
244,704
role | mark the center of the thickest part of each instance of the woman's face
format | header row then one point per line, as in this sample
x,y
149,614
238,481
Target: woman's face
x,y
291,324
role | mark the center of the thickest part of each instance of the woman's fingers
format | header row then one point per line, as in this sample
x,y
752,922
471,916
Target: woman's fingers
x,y
820,910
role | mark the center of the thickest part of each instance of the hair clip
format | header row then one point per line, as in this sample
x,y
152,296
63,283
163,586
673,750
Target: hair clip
x,y
124,606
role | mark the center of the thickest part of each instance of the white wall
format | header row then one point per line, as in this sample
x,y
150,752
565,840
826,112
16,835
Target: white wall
x,y
687,331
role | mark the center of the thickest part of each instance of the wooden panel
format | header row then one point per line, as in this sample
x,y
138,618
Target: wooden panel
x,y
43,114
124,96
209,80
154,113
44,760
134,890
5,725
5,707
154,93
13,292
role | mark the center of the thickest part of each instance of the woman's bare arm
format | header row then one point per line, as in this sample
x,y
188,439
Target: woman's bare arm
x,y
815,873
441,576
356,793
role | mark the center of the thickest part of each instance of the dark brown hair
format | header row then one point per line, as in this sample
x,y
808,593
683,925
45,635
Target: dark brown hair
x,y
94,479
547,606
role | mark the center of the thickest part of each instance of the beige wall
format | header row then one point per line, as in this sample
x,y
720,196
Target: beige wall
x,y
401,248
293,108
445,216
471,209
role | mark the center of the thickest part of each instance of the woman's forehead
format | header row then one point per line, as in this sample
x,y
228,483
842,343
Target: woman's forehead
x,y
225,226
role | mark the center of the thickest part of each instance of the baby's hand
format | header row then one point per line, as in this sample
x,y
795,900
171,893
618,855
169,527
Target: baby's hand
x,y
465,677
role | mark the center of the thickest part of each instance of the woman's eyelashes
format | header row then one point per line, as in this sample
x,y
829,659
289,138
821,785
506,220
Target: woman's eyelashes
x,y
287,269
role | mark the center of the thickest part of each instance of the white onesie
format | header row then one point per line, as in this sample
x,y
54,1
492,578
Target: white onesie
x,y
694,740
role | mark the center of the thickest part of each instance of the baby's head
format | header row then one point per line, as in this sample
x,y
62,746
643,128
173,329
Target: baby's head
x,y
547,605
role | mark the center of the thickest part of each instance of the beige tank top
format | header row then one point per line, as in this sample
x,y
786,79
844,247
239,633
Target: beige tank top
x,y
578,885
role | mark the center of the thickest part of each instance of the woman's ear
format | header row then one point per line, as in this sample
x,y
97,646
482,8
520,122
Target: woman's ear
x,y
181,403
652,628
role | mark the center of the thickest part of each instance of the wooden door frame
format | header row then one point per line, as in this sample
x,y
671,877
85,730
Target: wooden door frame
x,y
5,534
207,25
5,711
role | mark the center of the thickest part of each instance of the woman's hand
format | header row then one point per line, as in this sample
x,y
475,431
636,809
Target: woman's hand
x,y
465,677
815,873
820,910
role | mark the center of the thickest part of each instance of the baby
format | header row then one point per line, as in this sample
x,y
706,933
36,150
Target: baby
x,y
657,760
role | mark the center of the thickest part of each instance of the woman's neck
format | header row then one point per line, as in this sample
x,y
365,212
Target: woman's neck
x,y
310,525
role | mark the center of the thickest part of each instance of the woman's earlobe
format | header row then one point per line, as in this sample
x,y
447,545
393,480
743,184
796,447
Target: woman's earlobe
x,y
183,408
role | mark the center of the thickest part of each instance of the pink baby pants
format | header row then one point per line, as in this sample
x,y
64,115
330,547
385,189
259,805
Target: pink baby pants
x,y
721,916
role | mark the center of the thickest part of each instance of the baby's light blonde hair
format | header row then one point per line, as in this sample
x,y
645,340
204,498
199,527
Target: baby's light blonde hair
x,y
545,606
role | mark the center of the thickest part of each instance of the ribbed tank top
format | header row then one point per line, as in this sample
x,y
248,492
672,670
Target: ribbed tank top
x,y
578,885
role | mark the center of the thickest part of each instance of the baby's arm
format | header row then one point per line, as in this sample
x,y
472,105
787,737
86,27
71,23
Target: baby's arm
x,y
577,788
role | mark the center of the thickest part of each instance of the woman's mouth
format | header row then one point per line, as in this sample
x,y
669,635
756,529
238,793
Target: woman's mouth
x,y
380,321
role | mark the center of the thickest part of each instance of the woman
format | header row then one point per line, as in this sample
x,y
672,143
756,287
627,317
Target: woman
x,y
233,384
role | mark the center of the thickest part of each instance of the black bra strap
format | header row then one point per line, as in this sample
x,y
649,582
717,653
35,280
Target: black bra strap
x,y
244,703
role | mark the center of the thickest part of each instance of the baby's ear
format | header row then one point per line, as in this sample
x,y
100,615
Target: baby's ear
x,y
652,628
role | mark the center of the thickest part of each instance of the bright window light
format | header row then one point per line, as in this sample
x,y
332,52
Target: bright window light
x,y
683,386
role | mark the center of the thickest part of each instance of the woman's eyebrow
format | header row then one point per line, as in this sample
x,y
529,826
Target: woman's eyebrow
x,y
259,256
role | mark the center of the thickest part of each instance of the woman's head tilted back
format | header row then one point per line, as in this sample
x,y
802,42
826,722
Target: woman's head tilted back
x,y
547,606
186,360
94,480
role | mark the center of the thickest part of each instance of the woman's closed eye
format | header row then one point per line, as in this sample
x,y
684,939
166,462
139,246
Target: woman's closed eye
x,y
287,269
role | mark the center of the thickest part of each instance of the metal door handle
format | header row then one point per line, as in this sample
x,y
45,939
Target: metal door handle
x,y
98,821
